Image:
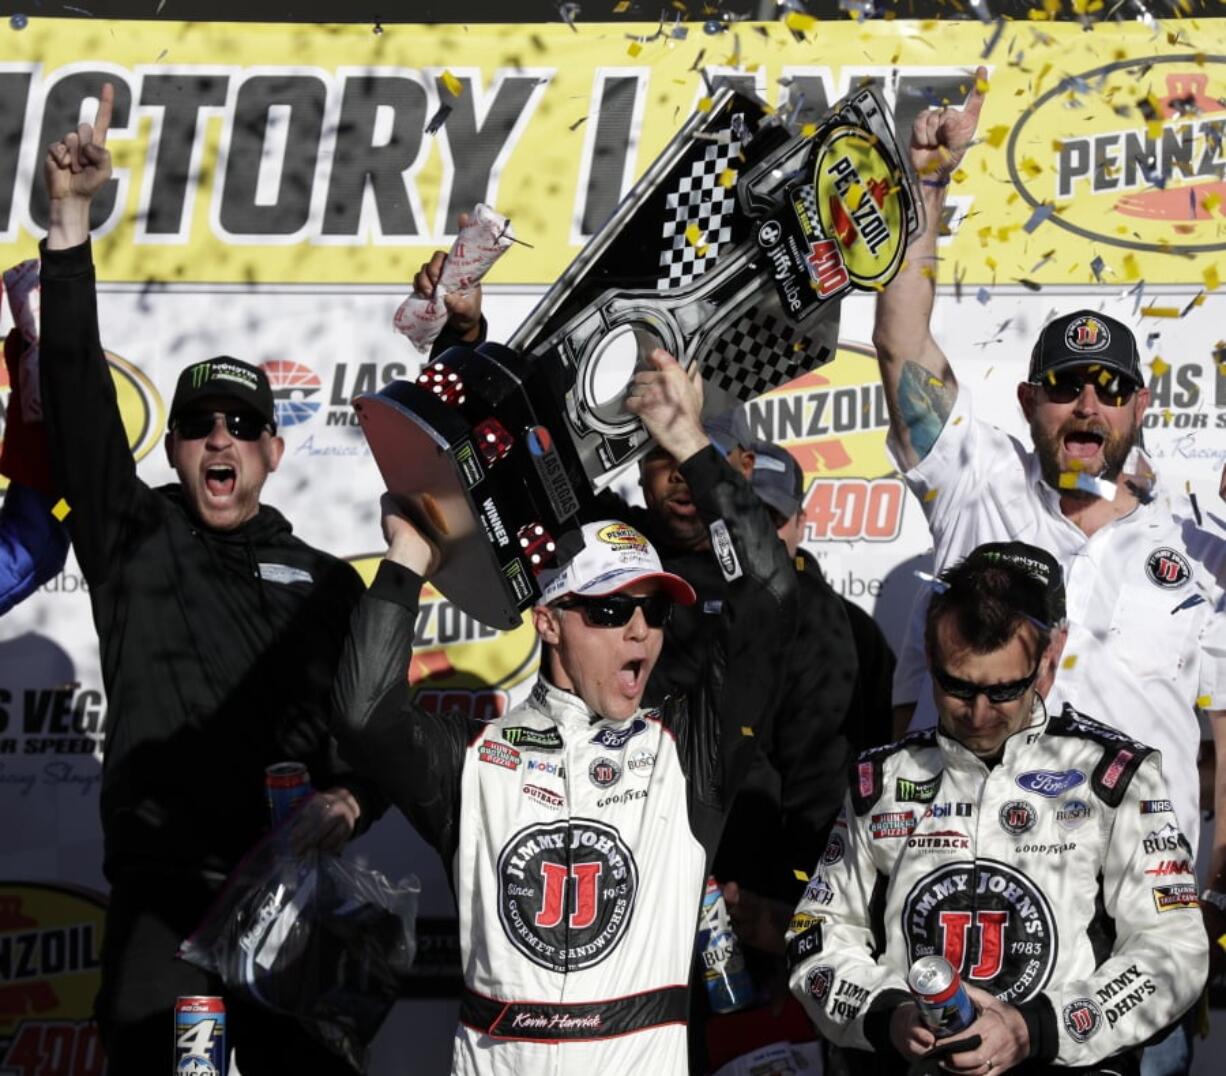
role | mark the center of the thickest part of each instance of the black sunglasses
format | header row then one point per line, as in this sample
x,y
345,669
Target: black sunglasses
x,y
1065,386
243,425
966,690
616,610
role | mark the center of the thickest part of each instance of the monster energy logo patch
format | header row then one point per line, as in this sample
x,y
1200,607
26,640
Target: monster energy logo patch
x,y
200,373
203,372
908,791
541,739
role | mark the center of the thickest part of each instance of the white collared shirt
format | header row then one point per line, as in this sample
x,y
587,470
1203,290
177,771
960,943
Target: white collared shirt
x,y
1147,633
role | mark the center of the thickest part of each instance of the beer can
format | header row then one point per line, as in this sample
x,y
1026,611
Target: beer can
x,y
288,784
942,999
729,986
200,1037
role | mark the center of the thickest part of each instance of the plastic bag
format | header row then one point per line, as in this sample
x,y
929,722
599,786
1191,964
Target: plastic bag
x,y
312,936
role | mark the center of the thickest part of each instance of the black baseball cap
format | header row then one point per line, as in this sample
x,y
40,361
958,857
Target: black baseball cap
x,y
228,377
777,478
1085,338
1041,595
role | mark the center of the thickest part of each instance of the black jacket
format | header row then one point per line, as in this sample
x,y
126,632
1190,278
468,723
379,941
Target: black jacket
x,y
788,801
218,648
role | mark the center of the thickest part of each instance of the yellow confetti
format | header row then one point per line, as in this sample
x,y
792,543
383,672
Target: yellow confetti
x,y
1031,167
1211,201
621,7
704,104
959,176
1160,311
727,178
1069,661
1205,702
1068,480
60,509
799,22
746,730
1210,277
1154,129
800,875
931,495
957,421
1159,366
1222,941
854,196
995,136
634,48
1132,271
693,235
809,130
935,382
453,84
990,262
982,85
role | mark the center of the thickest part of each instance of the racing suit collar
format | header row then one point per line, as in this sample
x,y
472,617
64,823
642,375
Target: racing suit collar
x,y
958,757
565,707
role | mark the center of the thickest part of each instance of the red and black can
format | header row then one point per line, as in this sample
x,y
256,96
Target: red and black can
x,y
942,999
288,784
200,1037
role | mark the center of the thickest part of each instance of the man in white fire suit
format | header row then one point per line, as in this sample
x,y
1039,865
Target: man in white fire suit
x,y
1039,855
579,828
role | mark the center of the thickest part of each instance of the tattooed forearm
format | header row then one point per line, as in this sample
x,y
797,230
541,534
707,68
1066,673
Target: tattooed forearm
x,y
924,403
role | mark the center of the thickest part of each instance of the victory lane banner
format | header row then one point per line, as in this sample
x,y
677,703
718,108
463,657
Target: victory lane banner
x,y
267,154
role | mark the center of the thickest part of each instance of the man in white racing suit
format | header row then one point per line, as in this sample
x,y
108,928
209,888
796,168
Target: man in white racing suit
x,y
579,828
1039,855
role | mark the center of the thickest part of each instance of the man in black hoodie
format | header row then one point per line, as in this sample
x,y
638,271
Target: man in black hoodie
x,y
219,633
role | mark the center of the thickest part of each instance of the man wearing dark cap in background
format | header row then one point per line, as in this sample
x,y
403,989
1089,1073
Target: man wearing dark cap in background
x,y
1147,637
779,481
219,631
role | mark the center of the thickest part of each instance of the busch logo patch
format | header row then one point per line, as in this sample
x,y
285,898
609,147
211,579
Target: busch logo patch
x,y
1073,813
1082,1019
1168,568
1166,839
566,892
1017,817
989,921
1050,783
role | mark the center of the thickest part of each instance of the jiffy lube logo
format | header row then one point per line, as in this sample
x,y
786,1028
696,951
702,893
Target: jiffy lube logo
x,y
566,892
1138,162
858,203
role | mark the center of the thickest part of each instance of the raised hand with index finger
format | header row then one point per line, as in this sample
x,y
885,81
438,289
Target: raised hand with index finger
x,y
940,136
77,166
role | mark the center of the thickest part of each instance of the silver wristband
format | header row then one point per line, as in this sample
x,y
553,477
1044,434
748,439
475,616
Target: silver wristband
x,y
1215,897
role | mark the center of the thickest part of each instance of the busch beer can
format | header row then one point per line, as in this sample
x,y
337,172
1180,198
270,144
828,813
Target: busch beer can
x,y
942,999
200,1037
288,784
729,986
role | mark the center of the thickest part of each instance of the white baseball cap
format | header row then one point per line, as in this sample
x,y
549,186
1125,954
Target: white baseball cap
x,y
614,556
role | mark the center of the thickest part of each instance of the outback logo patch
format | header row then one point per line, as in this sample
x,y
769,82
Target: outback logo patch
x,y
1168,568
892,824
604,772
1180,895
537,739
498,754
566,892
615,738
1049,783
942,840
1082,1019
989,921
908,791
1017,817
543,796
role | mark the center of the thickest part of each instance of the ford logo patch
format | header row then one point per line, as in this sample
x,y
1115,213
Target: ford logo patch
x,y
1050,783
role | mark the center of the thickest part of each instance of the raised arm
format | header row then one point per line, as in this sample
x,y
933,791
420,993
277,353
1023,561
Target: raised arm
x,y
920,388
414,757
92,465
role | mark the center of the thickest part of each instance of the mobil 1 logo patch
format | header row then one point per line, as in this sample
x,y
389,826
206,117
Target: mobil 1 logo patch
x,y
989,921
1167,568
566,892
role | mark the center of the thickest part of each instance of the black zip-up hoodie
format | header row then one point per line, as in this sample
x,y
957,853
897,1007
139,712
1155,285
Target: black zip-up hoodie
x,y
218,648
